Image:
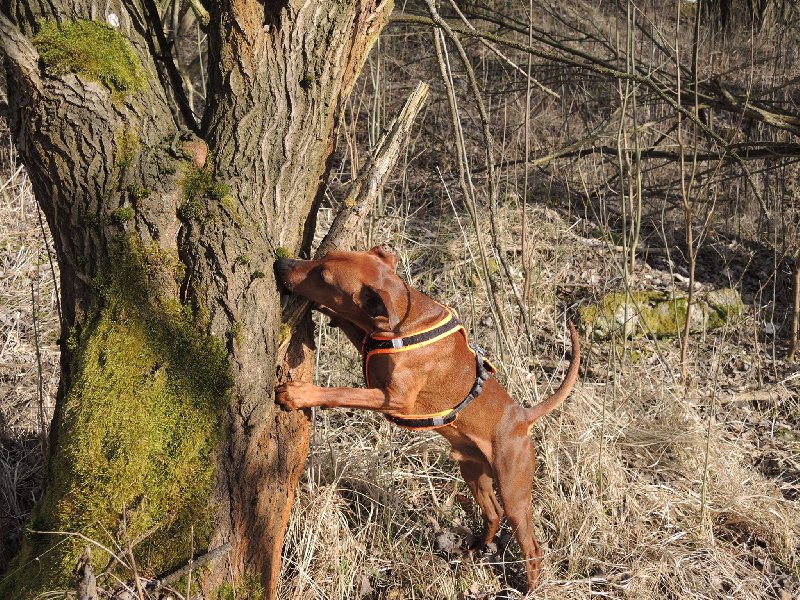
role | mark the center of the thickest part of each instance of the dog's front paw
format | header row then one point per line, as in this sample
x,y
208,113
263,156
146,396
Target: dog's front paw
x,y
295,395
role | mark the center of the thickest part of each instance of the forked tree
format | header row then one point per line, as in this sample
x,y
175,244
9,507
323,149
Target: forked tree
x,y
166,441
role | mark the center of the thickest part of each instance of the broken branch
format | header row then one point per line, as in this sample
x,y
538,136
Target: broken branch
x,y
362,193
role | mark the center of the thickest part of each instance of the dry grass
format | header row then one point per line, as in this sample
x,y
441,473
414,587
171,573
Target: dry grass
x,y
382,513
648,487
645,487
26,292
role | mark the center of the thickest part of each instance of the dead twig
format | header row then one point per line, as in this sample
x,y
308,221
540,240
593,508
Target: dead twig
x,y
39,391
362,193
85,582
195,562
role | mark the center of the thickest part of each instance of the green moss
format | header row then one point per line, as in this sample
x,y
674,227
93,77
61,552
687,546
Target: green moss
x,y
666,318
228,203
198,187
72,338
141,419
196,182
726,305
128,147
248,587
657,313
242,260
219,190
236,332
284,332
282,252
191,209
257,275
122,214
137,191
92,49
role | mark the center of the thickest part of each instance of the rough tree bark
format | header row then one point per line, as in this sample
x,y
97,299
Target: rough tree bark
x,y
166,437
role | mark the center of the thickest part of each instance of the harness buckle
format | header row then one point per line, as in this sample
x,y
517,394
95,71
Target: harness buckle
x,y
478,349
397,342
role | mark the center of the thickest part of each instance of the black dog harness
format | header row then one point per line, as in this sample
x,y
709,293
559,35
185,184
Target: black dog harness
x,y
384,344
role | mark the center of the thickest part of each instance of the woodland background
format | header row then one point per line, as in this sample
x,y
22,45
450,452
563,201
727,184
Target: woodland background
x,y
642,146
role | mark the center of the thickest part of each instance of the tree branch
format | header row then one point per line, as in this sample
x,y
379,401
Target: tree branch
x,y
362,193
200,12
163,55
585,147
194,563
709,95
19,50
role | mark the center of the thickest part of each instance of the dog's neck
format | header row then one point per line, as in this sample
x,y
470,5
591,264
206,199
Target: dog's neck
x,y
414,311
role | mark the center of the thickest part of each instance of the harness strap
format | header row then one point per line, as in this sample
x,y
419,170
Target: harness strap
x,y
484,370
381,344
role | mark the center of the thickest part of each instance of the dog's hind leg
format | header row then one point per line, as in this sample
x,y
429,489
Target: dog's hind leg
x,y
478,475
515,465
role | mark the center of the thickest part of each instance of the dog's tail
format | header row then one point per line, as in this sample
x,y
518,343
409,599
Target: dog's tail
x,y
534,413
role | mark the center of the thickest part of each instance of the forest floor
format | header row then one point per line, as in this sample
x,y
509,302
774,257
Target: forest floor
x,y
647,486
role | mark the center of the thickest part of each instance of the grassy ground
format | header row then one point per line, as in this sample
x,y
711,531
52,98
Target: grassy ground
x,y
29,371
648,486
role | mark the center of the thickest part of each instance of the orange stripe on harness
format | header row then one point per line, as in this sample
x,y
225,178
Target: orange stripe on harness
x,y
404,348
389,336
383,343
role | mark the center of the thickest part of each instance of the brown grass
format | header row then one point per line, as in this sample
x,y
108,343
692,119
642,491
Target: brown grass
x,y
619,500
26,288
648,487
382,513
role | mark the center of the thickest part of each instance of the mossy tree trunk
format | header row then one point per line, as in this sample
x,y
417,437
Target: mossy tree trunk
x,y
166,436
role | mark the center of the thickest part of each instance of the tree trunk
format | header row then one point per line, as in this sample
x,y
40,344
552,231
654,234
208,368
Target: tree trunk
x,y
166,437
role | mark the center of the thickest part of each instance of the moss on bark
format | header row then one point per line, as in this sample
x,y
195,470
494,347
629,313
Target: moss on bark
x,y
141,418
199,187
92,49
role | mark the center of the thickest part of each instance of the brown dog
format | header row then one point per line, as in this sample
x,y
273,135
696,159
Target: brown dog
x,y
427,373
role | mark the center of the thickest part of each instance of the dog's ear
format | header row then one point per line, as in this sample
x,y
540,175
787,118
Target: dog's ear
x,y
386,256
378,307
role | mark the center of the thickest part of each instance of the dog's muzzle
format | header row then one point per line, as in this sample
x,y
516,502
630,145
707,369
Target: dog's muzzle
x,y
283,267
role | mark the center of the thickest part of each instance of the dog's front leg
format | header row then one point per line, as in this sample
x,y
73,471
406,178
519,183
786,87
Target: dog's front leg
x,y
396,398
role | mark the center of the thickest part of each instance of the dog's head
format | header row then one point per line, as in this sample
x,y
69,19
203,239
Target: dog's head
x,y
356,286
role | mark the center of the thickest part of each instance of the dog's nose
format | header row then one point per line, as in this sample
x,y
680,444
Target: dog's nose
x,y
282,265
283,268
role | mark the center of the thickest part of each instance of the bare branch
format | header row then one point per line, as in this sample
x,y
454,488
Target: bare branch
x,y
164,57
490,162
200,12
713,95
19,50
499,53
363,191
195,563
